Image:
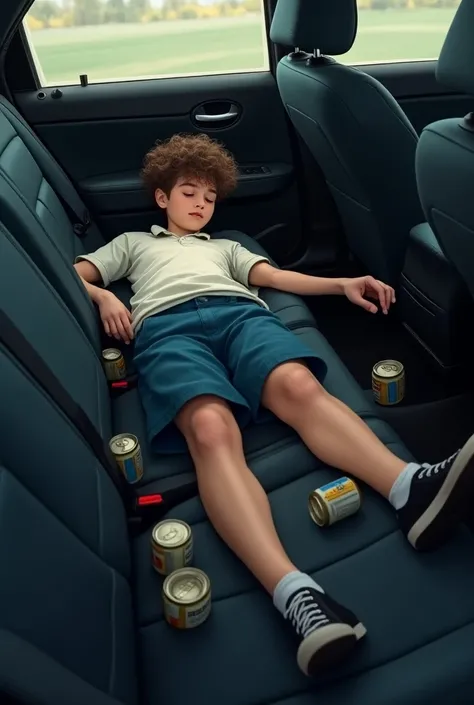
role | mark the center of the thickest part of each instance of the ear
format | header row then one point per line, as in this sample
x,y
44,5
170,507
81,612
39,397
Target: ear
x,y
161,198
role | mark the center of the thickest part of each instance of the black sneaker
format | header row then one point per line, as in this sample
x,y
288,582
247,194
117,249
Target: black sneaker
x,y
328,630
438,494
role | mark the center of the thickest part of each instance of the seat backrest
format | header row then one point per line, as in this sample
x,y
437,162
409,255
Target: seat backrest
x,y
445,155
66,621
356,131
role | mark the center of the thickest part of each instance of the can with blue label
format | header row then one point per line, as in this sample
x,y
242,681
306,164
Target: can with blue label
x,y
128,455
388,382
334,501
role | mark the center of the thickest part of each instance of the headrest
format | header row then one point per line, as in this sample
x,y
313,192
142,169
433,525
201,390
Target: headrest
x,y
327,25
456,62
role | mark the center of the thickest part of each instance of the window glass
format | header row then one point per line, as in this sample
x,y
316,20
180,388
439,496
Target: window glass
x,y
132,39
400,30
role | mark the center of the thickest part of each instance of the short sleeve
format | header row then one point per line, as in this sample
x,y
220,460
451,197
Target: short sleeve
x,y
112,260
242,261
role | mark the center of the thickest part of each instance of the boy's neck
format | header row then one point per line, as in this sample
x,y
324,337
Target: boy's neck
x,y
179,232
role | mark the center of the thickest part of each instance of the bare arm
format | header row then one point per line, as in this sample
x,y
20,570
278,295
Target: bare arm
x,y
89,275
357,289
116,318
263,274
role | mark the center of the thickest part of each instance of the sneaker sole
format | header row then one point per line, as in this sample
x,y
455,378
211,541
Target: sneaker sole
x,y
431,528
328,646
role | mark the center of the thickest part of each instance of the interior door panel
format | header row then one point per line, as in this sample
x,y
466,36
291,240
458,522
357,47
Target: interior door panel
x,y
100,134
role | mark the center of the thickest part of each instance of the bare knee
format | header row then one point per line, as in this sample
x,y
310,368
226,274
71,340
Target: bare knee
x,y
291,385
207,424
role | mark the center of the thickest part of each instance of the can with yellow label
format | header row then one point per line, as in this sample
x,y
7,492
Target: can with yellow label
x,y
388,382
187,598
334,501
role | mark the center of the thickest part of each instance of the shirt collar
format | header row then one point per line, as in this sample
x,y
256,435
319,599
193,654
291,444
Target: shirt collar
x,y
158,231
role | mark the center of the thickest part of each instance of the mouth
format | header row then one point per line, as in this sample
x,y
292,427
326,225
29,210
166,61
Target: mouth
x,y
196,215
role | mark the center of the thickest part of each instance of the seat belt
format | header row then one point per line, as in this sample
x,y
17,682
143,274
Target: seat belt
x,y
78,215
23,351
80,225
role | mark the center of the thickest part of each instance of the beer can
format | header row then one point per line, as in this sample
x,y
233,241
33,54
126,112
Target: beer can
x,y
114,364
187,598
171,546
334,501
128,455
388,382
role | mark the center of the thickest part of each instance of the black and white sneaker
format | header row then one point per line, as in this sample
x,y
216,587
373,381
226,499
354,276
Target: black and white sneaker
x,y
328,630
437,498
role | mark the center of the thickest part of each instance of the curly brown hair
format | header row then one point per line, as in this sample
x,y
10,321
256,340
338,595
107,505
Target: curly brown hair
x,y
190,156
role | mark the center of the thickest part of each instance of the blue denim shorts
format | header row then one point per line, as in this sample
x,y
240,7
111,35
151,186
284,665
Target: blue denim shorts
x,y
225,346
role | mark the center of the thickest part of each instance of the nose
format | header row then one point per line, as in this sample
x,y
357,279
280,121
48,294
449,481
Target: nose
x,y
200,201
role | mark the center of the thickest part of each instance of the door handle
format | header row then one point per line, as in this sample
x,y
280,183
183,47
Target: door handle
x,y
221,117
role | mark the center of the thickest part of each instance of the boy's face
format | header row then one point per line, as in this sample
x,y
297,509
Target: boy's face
x,y
189,207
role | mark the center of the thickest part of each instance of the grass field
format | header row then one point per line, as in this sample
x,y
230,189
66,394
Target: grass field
x,y
218,45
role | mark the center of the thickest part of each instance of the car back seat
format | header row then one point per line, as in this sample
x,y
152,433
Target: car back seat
x,y
81,618
34,191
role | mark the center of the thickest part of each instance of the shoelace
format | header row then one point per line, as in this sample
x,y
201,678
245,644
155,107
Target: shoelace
x,y
304,613
428,470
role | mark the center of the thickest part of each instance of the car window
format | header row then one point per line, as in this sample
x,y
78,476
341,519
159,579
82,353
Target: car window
x,y
400,30
110,40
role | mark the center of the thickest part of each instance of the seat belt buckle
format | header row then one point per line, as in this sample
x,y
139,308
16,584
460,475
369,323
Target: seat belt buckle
x,y
120,386
148,509
81,228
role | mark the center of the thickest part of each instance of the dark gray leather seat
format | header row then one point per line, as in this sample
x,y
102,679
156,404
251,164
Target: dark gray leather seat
x,y
445,155
356,131
81,617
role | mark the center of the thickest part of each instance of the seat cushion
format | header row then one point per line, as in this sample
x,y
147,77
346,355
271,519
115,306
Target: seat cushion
x,y
415,607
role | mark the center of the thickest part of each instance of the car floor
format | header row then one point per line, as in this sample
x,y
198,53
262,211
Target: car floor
x,y
437,414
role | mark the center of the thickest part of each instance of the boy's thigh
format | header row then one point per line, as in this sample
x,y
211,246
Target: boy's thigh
x,y
259,343
173,370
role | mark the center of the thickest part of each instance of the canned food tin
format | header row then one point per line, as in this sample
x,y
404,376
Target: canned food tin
x,y
171,546
114,364
128,455
187,598
334,501
388,382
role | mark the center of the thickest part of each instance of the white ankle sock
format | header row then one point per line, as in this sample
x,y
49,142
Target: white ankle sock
x,y
288,585
401,487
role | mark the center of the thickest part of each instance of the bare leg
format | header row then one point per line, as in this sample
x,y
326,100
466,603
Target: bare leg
x,y
233,498
329,428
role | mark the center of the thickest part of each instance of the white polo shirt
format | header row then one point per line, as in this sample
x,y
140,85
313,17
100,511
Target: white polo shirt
x,y
166,270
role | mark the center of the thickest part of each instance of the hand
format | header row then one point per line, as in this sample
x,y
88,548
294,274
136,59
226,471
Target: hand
x,y
360,289
116,317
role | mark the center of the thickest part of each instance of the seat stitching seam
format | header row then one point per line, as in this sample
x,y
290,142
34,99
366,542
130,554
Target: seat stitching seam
x,y
448,139
7,145
369,85
19,194
358,674
44,503
113,648
45,282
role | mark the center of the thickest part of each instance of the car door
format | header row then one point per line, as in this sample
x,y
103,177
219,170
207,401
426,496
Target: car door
x,y
103,81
